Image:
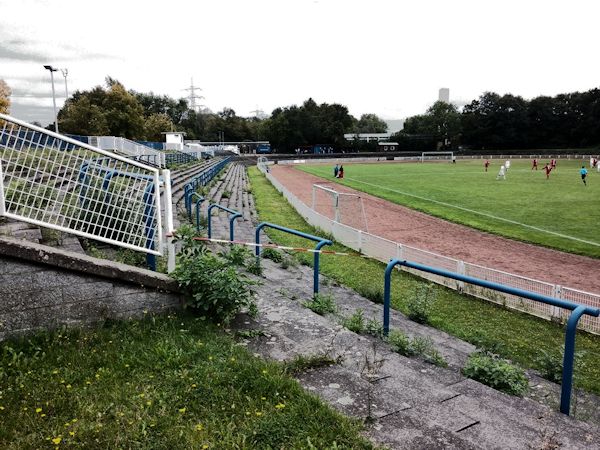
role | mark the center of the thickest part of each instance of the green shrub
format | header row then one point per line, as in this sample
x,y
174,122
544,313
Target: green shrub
x,y
272,254
288,262
418,346
321,304
421,305
356,322
550,365
423,347
226,194
374,328
497,373
255,268
210,285
399,342
236,255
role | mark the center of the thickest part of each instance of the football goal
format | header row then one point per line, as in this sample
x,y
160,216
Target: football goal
x,y
437,156
342,207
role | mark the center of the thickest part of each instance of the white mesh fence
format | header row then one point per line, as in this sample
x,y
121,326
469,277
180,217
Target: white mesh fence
x,y
132,149
383,250
53,181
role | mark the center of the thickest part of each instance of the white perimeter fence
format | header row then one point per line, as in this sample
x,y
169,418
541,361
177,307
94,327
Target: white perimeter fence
x,y
384,249
57,182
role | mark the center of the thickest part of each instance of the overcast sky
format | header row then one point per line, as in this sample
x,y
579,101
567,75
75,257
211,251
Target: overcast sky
x,y
388,57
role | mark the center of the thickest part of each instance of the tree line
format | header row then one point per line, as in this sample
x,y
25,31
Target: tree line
x,y
115,111
490,122
508,122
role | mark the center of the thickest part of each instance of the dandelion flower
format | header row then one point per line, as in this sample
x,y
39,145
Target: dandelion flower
x,y
258,413
279,406
56,440
38,410
182,410
199,427
71,433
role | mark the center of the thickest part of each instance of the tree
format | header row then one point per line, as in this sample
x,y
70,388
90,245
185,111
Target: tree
x,y
5,93
124,114
370,123
82,117
155,125
440,124
493,121
309,124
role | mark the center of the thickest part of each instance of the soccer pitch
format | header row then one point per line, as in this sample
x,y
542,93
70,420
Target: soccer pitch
x,y
559,212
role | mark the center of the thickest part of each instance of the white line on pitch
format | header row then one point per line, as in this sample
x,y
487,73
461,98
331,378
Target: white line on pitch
x,y
491,216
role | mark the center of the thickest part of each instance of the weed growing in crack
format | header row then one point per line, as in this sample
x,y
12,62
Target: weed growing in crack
x,y
356,322
321,304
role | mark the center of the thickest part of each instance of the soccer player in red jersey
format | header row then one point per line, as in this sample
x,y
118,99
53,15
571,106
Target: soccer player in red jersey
x,y
534,164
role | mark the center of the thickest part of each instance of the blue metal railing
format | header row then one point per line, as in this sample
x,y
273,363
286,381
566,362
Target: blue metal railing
x,y
577,311
234,215
199,200
321,243
201,179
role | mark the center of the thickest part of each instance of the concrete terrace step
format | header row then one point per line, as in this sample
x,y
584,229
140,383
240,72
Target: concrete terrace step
x,y
410,403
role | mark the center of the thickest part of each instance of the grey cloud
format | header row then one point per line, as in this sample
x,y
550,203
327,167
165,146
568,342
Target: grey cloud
x,y
22,55
32,113
22,50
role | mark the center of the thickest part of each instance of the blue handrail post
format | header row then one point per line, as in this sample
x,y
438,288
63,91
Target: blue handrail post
x,y
577,311
316,265
568,360
199,200
387,289
236,215
321,242
231,219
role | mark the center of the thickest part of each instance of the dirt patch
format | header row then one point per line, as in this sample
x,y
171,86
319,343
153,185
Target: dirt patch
x,y
419,230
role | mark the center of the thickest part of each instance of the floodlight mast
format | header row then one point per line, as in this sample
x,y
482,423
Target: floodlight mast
x,y
52,70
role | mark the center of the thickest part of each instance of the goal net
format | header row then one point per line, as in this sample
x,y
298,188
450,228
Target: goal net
x,y
342,207
437,156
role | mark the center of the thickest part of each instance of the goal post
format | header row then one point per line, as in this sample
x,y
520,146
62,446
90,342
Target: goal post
x,y
437,156
342,207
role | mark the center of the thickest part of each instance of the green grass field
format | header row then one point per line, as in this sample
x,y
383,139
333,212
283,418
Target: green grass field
x,y
559,212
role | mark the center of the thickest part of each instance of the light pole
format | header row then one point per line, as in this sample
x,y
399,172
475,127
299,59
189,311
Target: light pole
x,y
52,70
65,72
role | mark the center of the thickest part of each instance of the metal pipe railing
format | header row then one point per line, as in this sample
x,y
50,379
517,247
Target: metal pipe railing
x,y
235,215
200,200
577,312
321,243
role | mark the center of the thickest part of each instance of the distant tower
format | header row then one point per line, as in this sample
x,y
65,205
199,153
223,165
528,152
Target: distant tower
x,y
258,113
444,95
193,97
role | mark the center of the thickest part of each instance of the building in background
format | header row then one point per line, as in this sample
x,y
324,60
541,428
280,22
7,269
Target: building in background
x,y
444,95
